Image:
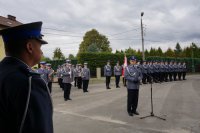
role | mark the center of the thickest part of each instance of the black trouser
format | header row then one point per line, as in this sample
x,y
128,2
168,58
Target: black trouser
x,y
79,82
174,74
144,79
85,85
132,100
124,81
161,76
108,81
179,75
166,76
117,79
59,82
170,76
149,77
184,74
50,86
67,90
75,81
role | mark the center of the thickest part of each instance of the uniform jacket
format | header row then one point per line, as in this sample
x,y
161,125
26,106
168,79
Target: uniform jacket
x,y
85,74
118,70
44,73
107,70
14,86
144,68
50,75
68,75
133,76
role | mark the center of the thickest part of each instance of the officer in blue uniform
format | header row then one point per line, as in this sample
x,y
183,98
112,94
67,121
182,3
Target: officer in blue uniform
x,y
117,73
43,71
108,74
133,76
85,77
25,101
144,69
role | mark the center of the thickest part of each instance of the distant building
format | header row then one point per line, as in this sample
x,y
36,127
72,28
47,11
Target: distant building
x,y
10,21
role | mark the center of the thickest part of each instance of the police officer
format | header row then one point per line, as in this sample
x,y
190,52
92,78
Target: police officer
x,y
166,71
50,76
117,73
76,75
25,101
133,76
123,71
108,74
171,70
85,77
184,70
175,70
179,71
144,72
67,73
151,72
58,74
43,71
79,78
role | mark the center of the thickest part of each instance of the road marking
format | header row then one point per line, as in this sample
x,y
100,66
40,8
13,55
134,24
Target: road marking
x,y
98,118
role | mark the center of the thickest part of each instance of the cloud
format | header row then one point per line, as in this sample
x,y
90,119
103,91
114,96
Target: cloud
x,y
166,22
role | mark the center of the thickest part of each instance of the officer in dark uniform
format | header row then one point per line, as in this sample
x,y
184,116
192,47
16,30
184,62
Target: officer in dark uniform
x,y
108,74
133,76
175,70
25,101
43,71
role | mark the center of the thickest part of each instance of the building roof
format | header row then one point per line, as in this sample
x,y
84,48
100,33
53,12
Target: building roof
x,y
10,21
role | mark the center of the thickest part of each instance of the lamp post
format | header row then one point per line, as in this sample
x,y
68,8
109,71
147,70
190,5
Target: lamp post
x,y
142,34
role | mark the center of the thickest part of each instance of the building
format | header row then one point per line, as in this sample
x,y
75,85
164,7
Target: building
x,y
10,21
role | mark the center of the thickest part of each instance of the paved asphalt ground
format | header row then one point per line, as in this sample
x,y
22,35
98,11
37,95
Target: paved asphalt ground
x,y
104,111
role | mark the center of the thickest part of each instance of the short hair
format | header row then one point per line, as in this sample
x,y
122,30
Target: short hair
x,y
15,48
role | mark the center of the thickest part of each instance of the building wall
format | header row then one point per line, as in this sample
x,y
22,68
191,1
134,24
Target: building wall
x,y
2,52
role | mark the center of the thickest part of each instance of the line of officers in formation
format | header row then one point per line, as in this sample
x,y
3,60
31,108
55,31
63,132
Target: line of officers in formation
x,y
133,75
67,75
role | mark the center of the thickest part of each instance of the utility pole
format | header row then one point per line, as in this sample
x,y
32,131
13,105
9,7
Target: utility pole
x,y
142,33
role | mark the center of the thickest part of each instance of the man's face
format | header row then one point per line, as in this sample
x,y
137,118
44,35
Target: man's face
x,y
36,51
132,62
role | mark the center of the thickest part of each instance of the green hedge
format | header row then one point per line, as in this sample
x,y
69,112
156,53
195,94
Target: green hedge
x,y
95,60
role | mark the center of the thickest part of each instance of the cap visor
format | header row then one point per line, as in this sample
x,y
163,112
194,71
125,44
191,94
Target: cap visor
x,y
42,41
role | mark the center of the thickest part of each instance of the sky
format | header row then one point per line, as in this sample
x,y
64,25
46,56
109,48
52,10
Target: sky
x,y
65,22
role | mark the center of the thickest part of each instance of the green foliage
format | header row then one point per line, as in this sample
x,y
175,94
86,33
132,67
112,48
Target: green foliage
x,y
45,58
71,57
169,53
93,48
58,55
95,60
93,37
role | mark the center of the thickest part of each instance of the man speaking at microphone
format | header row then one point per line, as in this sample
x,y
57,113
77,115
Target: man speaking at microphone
x,y
133,76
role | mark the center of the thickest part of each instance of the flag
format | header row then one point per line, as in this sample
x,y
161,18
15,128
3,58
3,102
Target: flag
x,y
124,65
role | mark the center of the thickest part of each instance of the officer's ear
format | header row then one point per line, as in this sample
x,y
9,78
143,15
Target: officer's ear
x,y
29,46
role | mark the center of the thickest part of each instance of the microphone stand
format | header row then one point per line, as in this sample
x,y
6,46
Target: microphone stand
x,y
152,113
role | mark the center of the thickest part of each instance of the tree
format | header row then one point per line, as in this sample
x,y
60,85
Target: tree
x,y
152,52
94,37
159,52
58,55
178,50
71,57
169,53
93,48
130,51
45,58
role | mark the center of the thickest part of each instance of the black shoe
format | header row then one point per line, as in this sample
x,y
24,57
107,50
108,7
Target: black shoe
x,y
69,99
65,99
130,114
85,91
136,113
